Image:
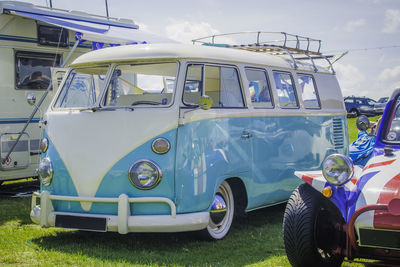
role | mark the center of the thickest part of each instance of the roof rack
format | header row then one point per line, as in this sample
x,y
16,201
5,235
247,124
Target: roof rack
x,y
295,46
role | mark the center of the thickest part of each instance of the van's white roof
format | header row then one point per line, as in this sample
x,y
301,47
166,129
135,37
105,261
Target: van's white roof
x,y
152,52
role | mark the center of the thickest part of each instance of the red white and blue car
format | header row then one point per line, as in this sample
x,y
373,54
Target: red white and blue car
x,y
346,211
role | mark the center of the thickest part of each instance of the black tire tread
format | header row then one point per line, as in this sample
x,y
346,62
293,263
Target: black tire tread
x,y
298,229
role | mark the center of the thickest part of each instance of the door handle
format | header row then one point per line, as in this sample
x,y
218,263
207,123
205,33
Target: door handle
x,y
246,135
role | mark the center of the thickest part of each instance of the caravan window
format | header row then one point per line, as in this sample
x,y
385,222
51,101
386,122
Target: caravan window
x,y
52,36
285,89
32,70
218,82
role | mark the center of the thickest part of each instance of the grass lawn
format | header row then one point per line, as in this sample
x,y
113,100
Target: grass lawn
x,y
253,241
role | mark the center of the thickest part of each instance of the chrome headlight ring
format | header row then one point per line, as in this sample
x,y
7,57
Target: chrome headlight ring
x,y
45,171
44,145
337,169
145,174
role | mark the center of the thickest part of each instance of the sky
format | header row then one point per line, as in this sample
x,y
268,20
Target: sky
x,y
368,29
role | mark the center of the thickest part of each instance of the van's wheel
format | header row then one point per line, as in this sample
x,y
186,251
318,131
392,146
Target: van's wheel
x,y
221,214
310,229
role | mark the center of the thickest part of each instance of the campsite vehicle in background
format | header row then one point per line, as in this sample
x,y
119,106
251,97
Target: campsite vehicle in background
x,y
380,105
34,42
357,106
345,211
169,138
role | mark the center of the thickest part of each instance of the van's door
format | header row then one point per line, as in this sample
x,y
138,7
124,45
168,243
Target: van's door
x,y
212,144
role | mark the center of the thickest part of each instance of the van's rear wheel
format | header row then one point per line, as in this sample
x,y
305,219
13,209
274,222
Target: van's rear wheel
x,y
221,214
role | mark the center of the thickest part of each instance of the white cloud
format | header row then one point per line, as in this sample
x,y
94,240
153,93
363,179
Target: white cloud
x,y
392,21
350,79
142,26
352,25
390,74
185,31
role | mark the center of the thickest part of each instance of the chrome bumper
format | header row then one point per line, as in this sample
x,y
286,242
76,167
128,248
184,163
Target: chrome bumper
x,y
123,223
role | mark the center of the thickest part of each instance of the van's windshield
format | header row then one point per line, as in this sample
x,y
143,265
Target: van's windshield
x,y
141,84
82,87
129,85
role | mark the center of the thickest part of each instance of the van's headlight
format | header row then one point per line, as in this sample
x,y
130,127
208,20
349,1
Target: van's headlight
x,y
145,174
337,169
45,171
44,144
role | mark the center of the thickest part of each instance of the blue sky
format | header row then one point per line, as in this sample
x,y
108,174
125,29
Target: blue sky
x,y
368,29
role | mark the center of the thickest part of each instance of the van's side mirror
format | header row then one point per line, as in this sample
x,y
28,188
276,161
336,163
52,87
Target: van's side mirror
x,y
205,102
363,123
31,99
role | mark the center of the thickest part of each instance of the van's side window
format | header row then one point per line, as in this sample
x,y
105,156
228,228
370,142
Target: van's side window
x,y
220,83
308,91
32,70
285,89
259,89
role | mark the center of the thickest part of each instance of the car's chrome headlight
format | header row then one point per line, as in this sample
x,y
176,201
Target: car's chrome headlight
x,y
45,171
145,174
337,169
44,144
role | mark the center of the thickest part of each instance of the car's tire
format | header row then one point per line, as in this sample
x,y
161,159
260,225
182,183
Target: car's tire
x,y
354,112
310,229
221,214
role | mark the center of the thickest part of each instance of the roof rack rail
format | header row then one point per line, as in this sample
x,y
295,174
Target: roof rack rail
x,y
295,46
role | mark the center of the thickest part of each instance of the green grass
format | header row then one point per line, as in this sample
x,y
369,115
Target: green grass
x,y
253,241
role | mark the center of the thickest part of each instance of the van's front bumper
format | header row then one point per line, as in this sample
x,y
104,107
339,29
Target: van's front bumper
x,y
123,223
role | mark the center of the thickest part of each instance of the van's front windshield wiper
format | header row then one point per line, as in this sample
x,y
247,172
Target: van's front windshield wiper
x,y
94,109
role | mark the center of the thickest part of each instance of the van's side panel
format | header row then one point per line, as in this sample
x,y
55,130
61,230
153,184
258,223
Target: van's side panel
x,y
281,145
209,151
282,140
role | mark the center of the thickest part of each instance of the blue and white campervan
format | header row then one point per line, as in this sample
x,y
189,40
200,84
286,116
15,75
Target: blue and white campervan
x,y
169,138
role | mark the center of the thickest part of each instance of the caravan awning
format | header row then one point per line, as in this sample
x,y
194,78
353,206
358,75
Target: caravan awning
x,y
93,28
97,32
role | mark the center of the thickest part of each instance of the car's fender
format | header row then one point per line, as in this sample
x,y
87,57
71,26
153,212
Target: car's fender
x,y
341,195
